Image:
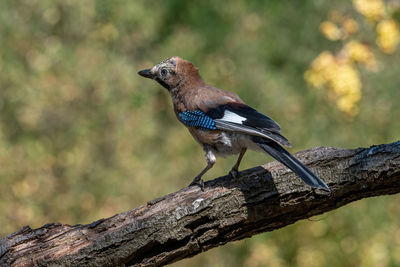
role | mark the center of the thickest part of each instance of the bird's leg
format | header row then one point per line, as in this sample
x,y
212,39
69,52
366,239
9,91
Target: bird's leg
x,y
210,162
234,172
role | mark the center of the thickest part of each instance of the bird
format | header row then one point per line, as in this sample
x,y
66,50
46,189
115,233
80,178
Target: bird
x,y
221,122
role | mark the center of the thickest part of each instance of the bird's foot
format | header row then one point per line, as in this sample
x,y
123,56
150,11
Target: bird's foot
x,y
199,182
233,173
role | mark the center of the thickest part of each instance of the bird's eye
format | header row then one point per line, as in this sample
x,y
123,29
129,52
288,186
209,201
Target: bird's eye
x,y
163,72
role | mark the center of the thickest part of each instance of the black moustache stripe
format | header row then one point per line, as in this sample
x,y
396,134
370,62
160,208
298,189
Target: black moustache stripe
x,y
162,83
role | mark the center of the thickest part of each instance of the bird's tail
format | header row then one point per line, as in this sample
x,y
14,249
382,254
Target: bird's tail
x,y
283,156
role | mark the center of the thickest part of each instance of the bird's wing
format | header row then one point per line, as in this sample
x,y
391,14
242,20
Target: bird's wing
x,y
244,115
210,108
239,117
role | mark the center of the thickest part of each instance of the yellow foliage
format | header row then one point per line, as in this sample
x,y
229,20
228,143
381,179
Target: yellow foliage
x,y
346,85
350,26
333,32
338,73
330,30
388,35
372,9
341,79
318,74
361,53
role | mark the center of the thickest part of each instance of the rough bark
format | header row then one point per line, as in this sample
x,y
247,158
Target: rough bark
x,y
189,221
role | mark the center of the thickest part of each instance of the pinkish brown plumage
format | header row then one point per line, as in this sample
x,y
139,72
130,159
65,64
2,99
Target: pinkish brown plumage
x,y
221,122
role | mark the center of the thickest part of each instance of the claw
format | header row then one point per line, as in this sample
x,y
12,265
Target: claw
x,y
198,182
233,173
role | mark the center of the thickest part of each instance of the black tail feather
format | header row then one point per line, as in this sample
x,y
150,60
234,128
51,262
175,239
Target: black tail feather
x,y
284,157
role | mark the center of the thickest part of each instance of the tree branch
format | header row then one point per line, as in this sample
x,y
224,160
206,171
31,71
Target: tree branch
x,y
189,221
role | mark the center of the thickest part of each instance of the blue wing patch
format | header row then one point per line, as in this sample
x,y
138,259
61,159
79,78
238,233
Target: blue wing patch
x,y
197,118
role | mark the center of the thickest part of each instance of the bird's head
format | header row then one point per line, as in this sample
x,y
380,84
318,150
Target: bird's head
x,y
172,73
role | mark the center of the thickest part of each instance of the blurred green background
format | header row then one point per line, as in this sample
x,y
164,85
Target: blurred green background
x,y
84,137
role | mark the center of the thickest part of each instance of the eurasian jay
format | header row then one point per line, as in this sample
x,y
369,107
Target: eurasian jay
x,y
221,122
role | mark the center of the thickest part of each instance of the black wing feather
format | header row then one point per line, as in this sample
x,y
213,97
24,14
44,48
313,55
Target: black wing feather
x,y
255,123
253,117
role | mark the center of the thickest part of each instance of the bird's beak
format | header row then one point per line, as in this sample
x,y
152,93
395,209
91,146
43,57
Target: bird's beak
x,y
146,73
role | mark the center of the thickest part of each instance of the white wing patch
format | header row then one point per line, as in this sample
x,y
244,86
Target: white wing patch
x,y
232,117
